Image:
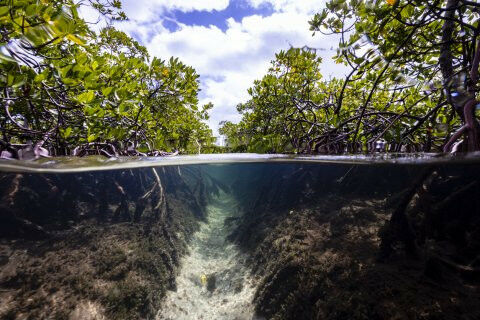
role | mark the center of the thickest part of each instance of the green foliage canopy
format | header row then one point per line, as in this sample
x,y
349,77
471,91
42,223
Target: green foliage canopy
x,y
412,83
68,90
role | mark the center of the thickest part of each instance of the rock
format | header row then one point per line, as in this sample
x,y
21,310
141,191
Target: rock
x,y
211,282
238,286
87,310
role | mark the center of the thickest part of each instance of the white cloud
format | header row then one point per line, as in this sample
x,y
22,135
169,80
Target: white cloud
x,y
143,10
228,61
303,6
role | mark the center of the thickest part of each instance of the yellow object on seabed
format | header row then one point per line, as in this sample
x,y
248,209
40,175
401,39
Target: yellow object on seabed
x,y
203,279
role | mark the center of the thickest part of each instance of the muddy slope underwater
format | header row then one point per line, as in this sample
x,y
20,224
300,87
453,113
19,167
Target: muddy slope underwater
x,y
97,245
361,242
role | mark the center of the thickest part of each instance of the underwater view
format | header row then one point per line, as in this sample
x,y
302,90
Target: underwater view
x,y
241,237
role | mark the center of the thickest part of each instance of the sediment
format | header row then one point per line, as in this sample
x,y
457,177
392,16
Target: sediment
x,y
213,281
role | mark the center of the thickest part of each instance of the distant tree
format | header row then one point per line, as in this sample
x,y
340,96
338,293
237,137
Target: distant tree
x,y
292,109
236,140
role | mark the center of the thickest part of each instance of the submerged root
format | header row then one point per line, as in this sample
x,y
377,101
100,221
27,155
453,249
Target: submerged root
x,y
399,227
435,264
122,210
454,196
12,191
12,226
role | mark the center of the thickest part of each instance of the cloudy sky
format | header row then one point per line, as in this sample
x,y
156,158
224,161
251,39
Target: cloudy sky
x,y
229,42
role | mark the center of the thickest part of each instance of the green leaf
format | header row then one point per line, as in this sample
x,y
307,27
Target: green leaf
x,y
10,79
40,77
4,11
91,138
18,81
86,96
94,65
31,10
64,71
106,91
67,132
89,111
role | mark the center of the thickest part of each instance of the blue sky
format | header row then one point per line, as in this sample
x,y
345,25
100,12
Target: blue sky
x,y
229,42
235,9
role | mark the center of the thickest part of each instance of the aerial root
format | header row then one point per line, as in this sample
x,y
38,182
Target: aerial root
x,y
470,128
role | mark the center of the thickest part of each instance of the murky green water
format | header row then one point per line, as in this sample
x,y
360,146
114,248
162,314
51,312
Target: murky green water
x,y
240,237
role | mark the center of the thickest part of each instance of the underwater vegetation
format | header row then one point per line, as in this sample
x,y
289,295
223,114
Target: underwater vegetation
x,y
242,241
95,245
361,242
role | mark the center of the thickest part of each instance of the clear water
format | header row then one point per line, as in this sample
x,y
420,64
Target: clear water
x,y
239,237
212,256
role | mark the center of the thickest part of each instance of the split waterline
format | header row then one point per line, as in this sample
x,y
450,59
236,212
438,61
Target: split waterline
x,y
100,163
